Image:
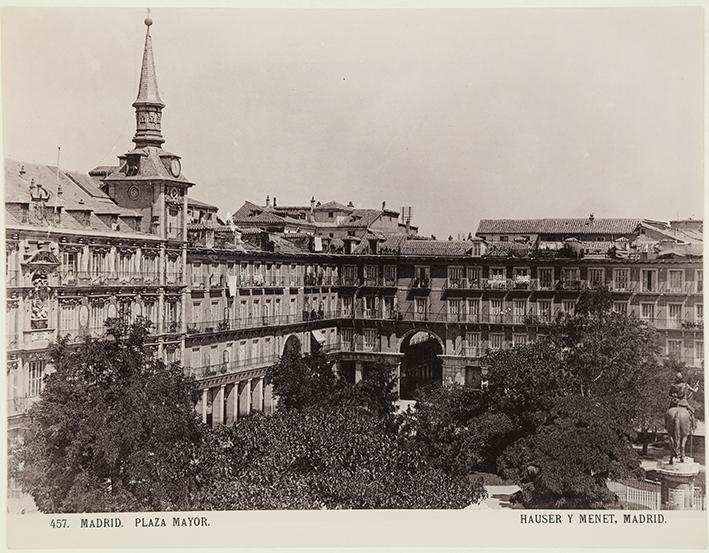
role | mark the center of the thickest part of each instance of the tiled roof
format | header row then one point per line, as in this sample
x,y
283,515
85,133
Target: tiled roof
x,y
333,205
558,226
436,247
361,218
192,202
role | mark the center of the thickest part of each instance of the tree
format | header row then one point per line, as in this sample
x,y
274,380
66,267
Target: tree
x,y
115,429
330,457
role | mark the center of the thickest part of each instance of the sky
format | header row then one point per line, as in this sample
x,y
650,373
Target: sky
x,y
461,114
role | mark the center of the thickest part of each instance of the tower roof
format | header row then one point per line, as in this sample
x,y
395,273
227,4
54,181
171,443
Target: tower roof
x,y
148,87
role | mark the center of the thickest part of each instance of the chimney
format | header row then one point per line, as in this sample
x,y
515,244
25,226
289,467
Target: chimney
x,y
384,205
312,207
591,217
274,201
22,170
268,201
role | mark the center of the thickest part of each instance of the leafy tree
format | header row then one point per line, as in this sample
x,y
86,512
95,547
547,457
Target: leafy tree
x,y
114,429
330,457
302,380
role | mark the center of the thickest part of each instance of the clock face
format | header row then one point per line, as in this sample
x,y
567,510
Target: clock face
x,y
174,193
133,193
175,167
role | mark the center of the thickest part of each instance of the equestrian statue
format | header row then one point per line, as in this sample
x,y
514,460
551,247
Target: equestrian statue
x,y
679,418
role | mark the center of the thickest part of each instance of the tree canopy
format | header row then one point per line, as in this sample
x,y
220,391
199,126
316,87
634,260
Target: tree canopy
x,y
115,429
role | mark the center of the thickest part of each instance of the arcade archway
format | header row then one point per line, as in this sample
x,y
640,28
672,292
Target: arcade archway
x,y
420,364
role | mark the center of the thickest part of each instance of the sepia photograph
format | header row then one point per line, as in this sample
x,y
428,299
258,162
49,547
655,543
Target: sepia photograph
x,y
444,264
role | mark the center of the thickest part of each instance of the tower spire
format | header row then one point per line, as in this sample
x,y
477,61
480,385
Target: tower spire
x,y
148,105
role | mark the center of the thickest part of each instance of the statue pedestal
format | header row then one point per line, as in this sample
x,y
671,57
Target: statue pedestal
x,y
677,482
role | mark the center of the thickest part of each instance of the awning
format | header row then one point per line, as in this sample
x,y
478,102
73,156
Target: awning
x,y
318,336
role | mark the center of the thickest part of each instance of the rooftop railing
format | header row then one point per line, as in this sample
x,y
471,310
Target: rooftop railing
x,y
108,278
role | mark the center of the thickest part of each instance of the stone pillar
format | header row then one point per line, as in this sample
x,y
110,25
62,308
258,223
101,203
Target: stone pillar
x,y
218,418
205,393
358,371
677,480
262,394
235,399
398,381
249,396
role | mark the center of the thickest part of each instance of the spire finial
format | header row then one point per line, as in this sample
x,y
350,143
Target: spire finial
x,y
148,105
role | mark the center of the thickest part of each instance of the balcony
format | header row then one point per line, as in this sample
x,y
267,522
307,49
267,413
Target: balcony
x,y
174,278
421,283
385,314
172,327
75,335
108,278
222,325
254,362
473,351
347,280
626,287
572,285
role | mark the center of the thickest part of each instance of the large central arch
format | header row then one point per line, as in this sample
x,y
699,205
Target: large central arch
x,y
421,364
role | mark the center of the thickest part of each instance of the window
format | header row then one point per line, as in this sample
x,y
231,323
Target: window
x,y
370,274
519,339
455,276
567,306
620,307
699,275
649,280
504,238
519,310
69,263
674,349
497,273
544,310
474,275
35,373
496,310
497,341
472,344
699,352
370,339
473,309
369,307
346,335
196,275
421,308
454,309
675,280
422,276
699,312
98,263
195,358
675,315
173,223
330,214
387,307
546,277
620,279
570,274
390,275
596,276
647,312
346,306
349,273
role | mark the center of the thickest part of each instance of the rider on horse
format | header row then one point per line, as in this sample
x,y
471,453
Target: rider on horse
x,y
679,395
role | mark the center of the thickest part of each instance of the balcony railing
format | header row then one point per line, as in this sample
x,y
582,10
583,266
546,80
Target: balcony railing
x,y
171,327
205,371
378,314
221,325
423,283
78,334
174,278
108,278
347,280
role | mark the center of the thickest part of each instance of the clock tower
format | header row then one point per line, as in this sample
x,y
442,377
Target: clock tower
x,y
148,179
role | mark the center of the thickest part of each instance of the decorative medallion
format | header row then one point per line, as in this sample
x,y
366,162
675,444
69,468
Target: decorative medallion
x,y
83,316
134,193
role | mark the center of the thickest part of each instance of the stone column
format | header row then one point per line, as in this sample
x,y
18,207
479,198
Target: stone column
x,y
677,480
249,397
358,371
398,381
218,417
205,393
235,399
262,394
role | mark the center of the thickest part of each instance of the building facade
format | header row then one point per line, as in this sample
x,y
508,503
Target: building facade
x,y
226,300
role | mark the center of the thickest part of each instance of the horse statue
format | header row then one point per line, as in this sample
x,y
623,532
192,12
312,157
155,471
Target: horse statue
x,y
679,418
678,423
